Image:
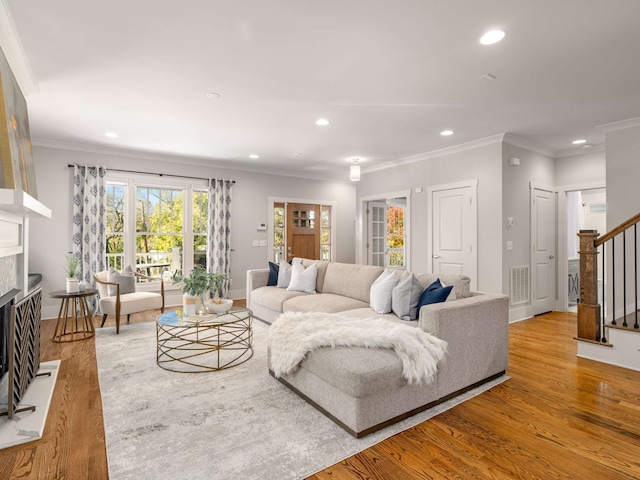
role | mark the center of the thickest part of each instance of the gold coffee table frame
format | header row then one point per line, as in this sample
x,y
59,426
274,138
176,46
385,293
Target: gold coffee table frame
x,y
204,343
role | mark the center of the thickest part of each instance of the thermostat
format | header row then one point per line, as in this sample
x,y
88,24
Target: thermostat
x,y
261,226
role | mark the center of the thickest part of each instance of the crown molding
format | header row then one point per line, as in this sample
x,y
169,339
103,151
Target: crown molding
x,y
572,152
517,141
621,125
482,142
15,53
184,160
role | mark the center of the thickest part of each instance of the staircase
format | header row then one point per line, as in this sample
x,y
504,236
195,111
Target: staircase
x,y
613,320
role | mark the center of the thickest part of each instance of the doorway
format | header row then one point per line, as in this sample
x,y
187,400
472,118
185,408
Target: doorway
x,y
586,210
381,243
453,227
543,249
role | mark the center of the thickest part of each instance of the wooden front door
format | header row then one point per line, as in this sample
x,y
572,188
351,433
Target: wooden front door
x,y
303,231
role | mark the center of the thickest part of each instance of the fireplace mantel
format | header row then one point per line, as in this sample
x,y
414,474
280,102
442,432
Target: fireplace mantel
x,y
21,204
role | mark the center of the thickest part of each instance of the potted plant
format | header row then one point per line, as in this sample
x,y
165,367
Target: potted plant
x,y
216,282
194,287
72,267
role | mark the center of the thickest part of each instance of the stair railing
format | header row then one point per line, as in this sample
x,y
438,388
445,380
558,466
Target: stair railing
x,y
591,315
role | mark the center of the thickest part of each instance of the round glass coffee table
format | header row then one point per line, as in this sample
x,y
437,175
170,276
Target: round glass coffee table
x,y
204,343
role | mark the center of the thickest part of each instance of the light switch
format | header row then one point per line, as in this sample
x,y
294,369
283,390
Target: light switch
x,y
263,243
256,243
509,245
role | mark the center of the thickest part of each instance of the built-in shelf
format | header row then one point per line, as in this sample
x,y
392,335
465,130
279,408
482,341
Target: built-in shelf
x,y
21,204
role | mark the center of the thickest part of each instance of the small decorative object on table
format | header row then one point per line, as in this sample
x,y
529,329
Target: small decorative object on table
x,y
195,289
222,307
73,264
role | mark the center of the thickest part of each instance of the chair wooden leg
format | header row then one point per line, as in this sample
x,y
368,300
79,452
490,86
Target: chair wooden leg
x,y
104,319
117,324
128,317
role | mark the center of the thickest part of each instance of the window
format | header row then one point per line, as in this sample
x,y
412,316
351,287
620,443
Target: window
x,y
162,231
115,226
395,235
325,239
278,232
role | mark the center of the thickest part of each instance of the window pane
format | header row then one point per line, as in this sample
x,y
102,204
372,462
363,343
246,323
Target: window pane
x,y
200,212
200,251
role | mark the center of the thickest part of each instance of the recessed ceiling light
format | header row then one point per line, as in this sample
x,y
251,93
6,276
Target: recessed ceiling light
x,y
491,37
487,77
111,134
323,122
446,133
579,142
253,155
213,95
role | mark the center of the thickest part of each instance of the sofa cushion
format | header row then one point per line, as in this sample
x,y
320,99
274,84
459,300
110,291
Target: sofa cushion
x,y
126,278
460,283
303,279
358,371
273,297
322,270
323,302
131,303
380,293
350,280
367,312
406,296
274,268
434,293
284,274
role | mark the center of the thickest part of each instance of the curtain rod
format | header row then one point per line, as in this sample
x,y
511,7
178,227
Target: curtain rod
x,y
70,165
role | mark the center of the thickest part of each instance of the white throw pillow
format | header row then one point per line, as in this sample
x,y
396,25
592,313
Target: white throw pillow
x,y
380,293
284,275
303,280
126,278
405,297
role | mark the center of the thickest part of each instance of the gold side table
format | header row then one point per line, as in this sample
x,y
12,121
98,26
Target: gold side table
x,y
74,320
204,343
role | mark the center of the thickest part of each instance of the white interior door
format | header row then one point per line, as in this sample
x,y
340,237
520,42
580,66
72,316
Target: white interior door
x,y
377,233
454,231
543,243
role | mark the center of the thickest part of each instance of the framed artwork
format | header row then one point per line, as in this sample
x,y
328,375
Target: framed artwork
x,y
16,160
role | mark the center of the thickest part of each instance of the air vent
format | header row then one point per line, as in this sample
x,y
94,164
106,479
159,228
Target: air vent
x,y
520,285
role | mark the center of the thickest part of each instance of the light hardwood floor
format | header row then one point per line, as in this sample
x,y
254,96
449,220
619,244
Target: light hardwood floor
x,y
557,417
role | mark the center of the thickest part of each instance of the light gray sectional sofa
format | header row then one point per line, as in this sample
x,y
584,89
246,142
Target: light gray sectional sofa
x,y
363,389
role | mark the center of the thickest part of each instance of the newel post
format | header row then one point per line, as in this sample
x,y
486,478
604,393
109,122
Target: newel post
x,y
588,308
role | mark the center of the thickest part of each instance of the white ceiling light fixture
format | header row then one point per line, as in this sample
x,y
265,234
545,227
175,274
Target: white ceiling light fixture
x,y
213,95
254,156
492,36
446,133
322,122
111,134
579,142
354,172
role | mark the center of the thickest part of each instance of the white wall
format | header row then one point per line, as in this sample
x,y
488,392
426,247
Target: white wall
x,y
582,169
51,239
516,203
481,163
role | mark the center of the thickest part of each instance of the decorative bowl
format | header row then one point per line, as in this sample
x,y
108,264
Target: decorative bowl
x,y
222,307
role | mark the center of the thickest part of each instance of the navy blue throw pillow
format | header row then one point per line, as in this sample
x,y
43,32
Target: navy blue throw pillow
x,y
274,269
434,293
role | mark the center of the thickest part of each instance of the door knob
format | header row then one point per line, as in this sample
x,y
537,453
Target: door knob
x,y
436,256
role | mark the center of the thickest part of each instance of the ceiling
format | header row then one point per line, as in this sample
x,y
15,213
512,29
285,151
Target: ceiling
x,y
388,75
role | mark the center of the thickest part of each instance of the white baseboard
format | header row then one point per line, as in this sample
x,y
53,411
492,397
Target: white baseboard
x,y
520,313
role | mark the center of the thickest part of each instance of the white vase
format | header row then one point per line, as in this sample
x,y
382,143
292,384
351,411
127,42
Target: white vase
x,y
190,304
72,285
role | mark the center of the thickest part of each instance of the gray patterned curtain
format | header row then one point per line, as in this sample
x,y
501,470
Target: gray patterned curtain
x,y
89,222
219,229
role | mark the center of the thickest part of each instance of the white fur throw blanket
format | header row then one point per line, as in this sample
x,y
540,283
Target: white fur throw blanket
x,y
293,335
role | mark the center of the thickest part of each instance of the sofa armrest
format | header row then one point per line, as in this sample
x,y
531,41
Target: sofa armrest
x,y
256,279
476,330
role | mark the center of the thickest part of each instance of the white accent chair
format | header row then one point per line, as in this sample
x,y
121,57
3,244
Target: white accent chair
x,y
126,303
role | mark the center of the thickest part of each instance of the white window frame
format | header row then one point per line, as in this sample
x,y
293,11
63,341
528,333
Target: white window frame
x,y
131,182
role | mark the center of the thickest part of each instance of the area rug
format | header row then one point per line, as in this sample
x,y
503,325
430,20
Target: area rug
x,y
238,423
